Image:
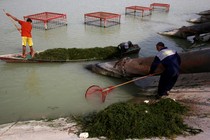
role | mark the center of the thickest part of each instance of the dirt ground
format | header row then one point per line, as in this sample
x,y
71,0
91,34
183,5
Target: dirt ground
x,y
198,99
192,90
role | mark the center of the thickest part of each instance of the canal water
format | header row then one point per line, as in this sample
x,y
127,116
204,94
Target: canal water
x,y
50,90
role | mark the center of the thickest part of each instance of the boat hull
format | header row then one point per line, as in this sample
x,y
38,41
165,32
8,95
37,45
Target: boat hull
x,y
16,58
186,31
192,62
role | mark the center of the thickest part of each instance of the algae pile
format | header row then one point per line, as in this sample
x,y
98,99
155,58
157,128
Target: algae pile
x,y
68,54
130,120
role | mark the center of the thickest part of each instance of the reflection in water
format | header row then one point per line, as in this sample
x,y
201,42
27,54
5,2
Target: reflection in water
x,y
32,83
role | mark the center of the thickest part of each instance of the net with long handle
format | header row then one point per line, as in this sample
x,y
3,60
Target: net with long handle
x,y
94,91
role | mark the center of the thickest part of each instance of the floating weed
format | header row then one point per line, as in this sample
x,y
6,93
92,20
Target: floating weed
x,y
64,54
131,120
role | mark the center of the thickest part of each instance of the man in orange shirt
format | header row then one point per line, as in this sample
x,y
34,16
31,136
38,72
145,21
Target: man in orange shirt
x,y
26,28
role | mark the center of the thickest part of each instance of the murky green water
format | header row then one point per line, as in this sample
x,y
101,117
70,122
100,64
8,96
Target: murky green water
x,y
34,91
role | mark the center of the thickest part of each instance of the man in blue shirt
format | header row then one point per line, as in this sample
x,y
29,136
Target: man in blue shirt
x,y
171,61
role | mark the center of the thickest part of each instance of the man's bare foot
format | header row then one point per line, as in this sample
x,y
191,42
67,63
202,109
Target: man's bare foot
x,y
32,54
23,56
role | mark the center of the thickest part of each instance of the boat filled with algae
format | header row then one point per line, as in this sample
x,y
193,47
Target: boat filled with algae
x,y
71,55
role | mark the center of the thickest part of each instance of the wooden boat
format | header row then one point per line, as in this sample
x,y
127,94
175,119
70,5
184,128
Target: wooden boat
x,y
191,79
132,50
186,31
204,17
16,57
206,12
192,62
201,19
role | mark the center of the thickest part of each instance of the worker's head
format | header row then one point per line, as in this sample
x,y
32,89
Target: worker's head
x,y
160,45
130,44
29,20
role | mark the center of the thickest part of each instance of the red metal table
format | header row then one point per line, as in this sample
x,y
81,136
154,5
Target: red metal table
x,y
164,5
47,17
134,9
102,17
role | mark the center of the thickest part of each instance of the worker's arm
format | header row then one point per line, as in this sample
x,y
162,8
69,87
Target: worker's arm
x,y
154,65
9,15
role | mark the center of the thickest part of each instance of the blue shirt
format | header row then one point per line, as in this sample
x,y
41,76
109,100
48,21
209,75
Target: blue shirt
x,y
169,59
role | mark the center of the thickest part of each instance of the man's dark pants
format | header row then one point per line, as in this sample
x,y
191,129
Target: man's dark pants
x,y
166,83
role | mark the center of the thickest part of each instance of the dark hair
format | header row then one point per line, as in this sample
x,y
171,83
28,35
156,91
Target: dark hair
x,y
130,43
29,20
160,44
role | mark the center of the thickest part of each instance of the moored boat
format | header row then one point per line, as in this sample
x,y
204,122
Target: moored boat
x,y
192,62
69,55
186,31
132,50
201,19
206,12
15,58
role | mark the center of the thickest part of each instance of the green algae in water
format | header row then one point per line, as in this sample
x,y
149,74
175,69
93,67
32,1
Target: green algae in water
x,y
65,54
130,120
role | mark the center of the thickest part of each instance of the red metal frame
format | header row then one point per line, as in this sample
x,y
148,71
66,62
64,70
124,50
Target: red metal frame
x,y
45,17
103,16
153,5
138,8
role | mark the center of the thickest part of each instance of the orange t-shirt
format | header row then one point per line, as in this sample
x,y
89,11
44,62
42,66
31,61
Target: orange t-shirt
x,y
26,28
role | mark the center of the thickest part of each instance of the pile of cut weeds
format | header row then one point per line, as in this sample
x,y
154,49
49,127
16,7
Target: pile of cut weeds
x,y
66,54
130,120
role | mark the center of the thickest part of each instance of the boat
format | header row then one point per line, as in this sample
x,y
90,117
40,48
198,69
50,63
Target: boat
x,y
201,19
206,12
132,50
197,61
17,57
186,31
